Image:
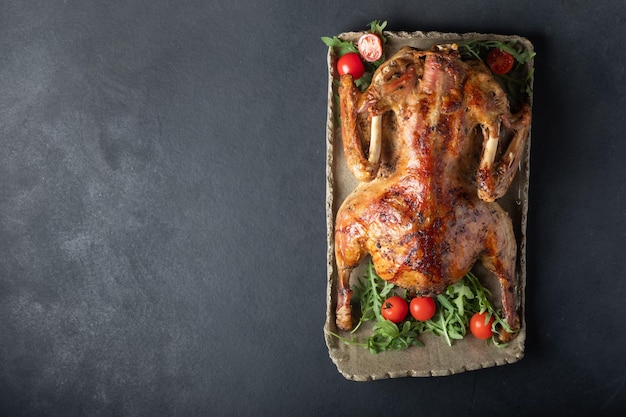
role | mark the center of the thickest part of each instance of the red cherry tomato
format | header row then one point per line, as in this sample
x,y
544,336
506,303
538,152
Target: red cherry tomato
x,y
500,61
395,309
350,63
370,47
480,327
422,308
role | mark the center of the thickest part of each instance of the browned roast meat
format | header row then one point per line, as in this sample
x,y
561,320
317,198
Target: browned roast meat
x,y
427,212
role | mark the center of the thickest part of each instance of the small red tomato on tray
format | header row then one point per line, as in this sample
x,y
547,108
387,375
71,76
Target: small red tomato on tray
x,y
422,308
500,61
350,63
395,309
480,327
370,47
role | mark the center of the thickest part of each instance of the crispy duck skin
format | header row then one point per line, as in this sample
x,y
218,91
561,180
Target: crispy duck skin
x,y
425,208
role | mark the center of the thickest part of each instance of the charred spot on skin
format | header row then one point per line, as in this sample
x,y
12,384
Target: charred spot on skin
x,y
409,259
406,239
387,168
424,108
445,247
443,128
394,76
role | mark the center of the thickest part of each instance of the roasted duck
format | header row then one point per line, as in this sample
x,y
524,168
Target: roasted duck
x,y
434,144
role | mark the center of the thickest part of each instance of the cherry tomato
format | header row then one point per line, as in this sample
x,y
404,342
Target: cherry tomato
x,y
479,328
370,47
350,63
422,308
395,309
500,61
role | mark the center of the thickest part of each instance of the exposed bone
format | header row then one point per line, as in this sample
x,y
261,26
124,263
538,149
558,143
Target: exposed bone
x,y
491,147
376,138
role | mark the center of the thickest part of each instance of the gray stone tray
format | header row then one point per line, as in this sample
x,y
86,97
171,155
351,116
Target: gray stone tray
x,y
436,358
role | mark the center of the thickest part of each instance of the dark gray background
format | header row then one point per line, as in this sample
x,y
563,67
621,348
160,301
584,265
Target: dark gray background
x,y
162,229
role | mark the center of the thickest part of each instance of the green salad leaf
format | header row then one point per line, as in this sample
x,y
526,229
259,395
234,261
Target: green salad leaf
x,y
339,46
455,307
389,336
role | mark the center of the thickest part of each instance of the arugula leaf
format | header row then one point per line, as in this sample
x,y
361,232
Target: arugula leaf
x,y
386,335
451,324
351,341
460,295
339,46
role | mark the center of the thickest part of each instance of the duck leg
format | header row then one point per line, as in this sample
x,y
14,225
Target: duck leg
x,y
499,258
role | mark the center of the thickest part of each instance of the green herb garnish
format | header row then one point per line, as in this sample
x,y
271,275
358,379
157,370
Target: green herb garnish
x,y
390,336
339,46
455,307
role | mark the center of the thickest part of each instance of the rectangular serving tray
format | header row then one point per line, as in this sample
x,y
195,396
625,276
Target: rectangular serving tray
x,y
436,358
